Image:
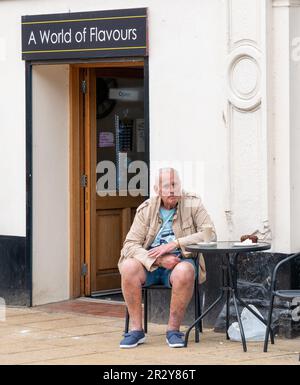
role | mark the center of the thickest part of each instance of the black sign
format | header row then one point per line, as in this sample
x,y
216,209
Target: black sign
x,y
85,35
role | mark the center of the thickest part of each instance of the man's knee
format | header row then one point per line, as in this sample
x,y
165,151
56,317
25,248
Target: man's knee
x,y
131,268
183,273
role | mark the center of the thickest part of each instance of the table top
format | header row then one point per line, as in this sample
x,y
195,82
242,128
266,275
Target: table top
x,y
228,247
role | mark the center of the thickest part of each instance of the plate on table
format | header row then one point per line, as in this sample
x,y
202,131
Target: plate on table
x,y
207,244
241,244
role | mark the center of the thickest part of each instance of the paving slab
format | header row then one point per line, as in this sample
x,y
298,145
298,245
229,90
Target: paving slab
x,y
39,336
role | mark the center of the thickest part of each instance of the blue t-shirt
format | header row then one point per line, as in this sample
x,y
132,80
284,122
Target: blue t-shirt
x,y
166,233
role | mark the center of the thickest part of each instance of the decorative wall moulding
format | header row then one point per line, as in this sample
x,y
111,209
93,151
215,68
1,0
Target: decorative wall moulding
x,y
244,19
244,78
286,3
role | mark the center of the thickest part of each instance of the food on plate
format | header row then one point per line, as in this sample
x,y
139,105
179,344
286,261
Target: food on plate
x,y
253,238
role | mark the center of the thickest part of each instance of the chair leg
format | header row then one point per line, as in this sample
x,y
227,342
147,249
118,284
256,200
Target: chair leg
x,y
200,308
269,324
145,310
126,321
196,308
227,313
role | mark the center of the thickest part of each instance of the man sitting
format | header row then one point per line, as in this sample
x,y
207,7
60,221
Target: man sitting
x,y
154,253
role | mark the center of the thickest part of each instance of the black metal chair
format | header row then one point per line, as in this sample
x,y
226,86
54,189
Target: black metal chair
x,y
197,307
284,294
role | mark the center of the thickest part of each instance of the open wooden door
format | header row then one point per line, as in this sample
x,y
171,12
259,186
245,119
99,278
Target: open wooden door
x,y
115,144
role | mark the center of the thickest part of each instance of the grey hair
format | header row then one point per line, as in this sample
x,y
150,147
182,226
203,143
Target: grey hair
x,y
165,170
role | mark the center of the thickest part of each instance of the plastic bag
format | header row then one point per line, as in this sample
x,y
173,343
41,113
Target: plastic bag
x,y
254,329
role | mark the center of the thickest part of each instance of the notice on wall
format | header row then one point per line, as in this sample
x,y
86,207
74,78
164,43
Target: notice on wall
x,y
125,135
106,139
85,35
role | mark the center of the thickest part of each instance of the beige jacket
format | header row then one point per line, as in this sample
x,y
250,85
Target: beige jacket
x,y
190,216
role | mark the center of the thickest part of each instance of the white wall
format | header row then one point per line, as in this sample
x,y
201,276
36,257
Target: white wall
x,y
187,90
12,124
285,203
280,130
246,116
295,129
186,73
50,183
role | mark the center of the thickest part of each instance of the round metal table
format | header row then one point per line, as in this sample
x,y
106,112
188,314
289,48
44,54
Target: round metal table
x,y
228,254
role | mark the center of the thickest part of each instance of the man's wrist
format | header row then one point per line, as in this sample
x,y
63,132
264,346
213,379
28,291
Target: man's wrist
x,y
157,262
174,245
177,244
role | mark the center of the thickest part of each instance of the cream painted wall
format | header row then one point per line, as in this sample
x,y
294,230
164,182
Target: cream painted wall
x,y
50,183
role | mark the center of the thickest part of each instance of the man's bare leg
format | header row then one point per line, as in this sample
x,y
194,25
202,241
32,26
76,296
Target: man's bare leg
x,y
133,276
182,279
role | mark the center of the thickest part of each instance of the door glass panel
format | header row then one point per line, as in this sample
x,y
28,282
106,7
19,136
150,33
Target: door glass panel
x,y
121,137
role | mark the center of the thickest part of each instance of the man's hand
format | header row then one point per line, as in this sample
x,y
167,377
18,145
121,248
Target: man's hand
x,y
162,249
167,261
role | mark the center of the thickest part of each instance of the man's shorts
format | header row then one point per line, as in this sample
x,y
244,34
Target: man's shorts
x,y
161,276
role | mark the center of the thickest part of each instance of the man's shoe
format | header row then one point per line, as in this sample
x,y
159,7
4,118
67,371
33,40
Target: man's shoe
x,y
174,339
132,339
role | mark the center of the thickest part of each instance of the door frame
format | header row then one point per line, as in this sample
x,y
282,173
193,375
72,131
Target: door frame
x,y
82,205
